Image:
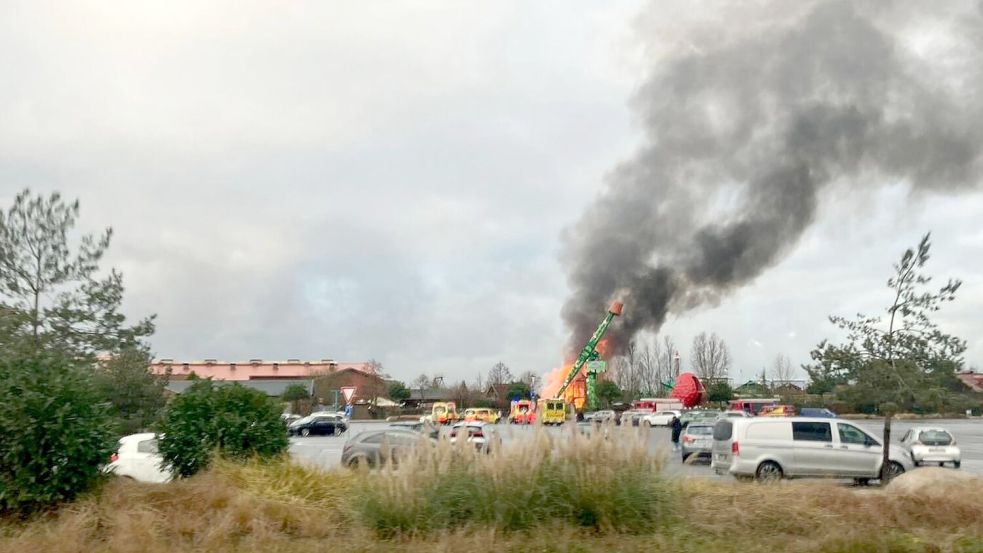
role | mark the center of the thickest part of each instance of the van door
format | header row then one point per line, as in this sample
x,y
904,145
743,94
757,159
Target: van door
x,y
860,453
814,450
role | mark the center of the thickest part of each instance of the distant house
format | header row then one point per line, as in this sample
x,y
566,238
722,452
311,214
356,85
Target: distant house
x,y
419,397
973,380
255,369
751,388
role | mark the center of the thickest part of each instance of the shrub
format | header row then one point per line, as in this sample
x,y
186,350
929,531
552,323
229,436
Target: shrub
x,y
55,433
235,421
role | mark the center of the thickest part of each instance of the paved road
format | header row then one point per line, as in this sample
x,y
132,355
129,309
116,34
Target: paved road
x,y
325,452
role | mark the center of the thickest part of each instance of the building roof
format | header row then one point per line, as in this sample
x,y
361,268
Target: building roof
x,y
973,380
435,394
272,388
255,369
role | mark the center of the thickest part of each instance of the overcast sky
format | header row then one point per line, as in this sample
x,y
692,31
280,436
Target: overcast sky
x,y
353,181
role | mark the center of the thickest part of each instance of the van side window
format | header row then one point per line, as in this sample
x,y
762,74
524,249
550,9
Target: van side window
x,y
812,431
851,434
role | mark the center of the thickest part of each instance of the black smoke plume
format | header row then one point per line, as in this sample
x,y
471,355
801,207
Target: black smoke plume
x,y
743,132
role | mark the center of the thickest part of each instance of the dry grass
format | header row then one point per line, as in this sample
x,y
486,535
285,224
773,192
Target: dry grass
x,y
283,507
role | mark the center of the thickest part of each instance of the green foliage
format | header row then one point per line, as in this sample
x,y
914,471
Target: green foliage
x,y
608,392
720,392
135,394
398,392
51,298
902,358
295,392
55,433
230,419
519,390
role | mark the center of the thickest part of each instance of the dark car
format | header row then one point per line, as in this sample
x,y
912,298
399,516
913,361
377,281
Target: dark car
x,y
375,448
322,425
418,426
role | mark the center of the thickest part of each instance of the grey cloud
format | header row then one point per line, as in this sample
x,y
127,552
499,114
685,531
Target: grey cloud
x,y
773,116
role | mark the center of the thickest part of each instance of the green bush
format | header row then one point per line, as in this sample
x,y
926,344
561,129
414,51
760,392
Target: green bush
x,y
232,420
55,433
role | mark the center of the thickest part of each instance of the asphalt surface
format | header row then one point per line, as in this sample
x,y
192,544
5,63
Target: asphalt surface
x,y
325,452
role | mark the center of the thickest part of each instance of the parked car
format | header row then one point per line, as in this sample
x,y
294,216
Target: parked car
x,y
698,416
482,414
323,424
696,440
289,417
633,417
734,415
602,416
777,411
480,434
930,445
817,412
136,457
771,448
418,426
374,448
660,418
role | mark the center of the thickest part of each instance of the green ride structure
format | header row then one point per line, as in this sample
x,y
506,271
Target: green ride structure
x,y
589,354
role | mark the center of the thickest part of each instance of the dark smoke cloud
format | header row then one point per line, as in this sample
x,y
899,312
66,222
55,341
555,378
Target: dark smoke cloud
x,y
743,136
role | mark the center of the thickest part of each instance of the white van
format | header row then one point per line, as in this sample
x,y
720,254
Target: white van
x,y
770,448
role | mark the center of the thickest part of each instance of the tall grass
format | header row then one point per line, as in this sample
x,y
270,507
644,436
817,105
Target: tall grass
x,y
602,482
551,493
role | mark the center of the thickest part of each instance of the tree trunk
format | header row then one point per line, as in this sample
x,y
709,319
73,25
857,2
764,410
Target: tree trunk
x,y
886,458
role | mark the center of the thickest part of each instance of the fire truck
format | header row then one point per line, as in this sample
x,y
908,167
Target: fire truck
x,y
523,411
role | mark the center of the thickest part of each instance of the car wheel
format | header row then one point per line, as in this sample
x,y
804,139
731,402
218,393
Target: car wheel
x,y
894,469
305,432
357,463
769,472
955,464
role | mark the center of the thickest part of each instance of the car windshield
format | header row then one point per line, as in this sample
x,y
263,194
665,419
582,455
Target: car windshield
x,y
935,437
700,430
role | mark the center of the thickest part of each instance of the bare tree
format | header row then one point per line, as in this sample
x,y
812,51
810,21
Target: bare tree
x,y
422,382
528,378
650,370
669,368
375,367
626,371
781,370
499,374
710,358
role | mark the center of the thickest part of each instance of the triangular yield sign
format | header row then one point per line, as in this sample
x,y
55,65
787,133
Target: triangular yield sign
x,y
348,392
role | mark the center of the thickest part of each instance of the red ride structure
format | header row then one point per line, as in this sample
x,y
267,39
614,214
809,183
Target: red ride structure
x,y
689,390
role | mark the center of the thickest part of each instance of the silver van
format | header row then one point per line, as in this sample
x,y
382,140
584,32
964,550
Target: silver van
x,y
771,448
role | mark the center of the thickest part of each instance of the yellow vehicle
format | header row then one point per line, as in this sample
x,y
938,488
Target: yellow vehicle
x,y
444,413
482,414
552,411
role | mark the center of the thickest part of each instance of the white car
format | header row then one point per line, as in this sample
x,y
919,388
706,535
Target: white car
x,y
931,445
660,418
136,457
481,434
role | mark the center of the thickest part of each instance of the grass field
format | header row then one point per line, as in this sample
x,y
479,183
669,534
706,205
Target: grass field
x,y
570,494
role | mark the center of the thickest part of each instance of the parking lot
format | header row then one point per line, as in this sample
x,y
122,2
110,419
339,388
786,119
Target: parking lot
x,y
325,452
